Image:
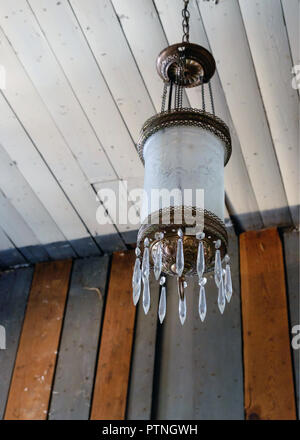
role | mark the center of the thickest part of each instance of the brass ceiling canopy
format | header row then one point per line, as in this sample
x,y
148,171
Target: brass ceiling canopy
x,y
199,64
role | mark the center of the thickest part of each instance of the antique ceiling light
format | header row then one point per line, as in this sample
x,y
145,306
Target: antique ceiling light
x,y
184,150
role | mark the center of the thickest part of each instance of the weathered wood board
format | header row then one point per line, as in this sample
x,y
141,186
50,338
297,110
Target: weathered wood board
x,y
14,289
291,241
143,357
9,255
31,383
111,384
200,371
74,374
268,379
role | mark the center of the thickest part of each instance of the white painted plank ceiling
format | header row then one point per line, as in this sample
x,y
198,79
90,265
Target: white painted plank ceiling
x,y
80,82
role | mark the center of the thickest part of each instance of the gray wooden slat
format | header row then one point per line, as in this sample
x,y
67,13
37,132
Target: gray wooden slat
x,y
291,240
201,373
35,254
142,367
14,289
19,232
74,374
85,247
110,242
11,257
60,250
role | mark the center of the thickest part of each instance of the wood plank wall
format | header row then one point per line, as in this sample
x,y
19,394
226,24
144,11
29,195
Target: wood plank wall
x,y
268,384
201,373
77,349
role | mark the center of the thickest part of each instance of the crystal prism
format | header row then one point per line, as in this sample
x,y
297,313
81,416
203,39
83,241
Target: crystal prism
x,y
202,303
202,281
145,264
158,261
228,283
179,257
136,281
146,296
221,296
159,235
218,244
162,305
162,280
200,260
218,267
182,310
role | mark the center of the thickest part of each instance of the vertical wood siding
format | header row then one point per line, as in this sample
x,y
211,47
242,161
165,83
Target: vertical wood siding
x,y
34,368
77,352
269,386
291,240
14,289
111,384
74,376
200,371
140,391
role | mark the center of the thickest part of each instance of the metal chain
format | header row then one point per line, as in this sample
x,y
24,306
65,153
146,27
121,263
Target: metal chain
x,y
203,97
170,96
178,88
211,98
185,22
164,97
180,93
180,79
176,96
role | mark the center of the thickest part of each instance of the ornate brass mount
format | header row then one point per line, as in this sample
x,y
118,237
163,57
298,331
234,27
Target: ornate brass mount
x,y
214,230
198,64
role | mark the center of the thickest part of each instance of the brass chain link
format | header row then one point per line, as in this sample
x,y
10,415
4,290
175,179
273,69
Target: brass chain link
x,y
185,22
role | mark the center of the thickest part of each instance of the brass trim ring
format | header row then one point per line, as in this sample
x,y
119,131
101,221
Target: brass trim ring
x,y
189,117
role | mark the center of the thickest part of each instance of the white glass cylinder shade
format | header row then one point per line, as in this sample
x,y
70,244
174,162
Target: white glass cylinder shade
x,y
184,157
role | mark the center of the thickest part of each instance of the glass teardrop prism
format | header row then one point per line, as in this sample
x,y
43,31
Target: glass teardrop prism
x,y
202,303
182,310
136,281
218,267
162,305
146,295
221,296
145,264
158,261
200,260
179,257
228,283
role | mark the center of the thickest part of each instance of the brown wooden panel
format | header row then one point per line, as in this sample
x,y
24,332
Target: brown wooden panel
x,y
111,385
269,387
33,372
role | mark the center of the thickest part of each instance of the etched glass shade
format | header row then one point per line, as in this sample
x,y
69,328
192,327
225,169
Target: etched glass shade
x,y
180,158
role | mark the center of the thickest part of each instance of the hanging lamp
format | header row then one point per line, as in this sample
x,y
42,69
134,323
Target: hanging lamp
x,y
183,149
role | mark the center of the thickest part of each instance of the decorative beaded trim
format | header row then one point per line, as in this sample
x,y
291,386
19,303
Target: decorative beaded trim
x,y
210,220
212,225
190,117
